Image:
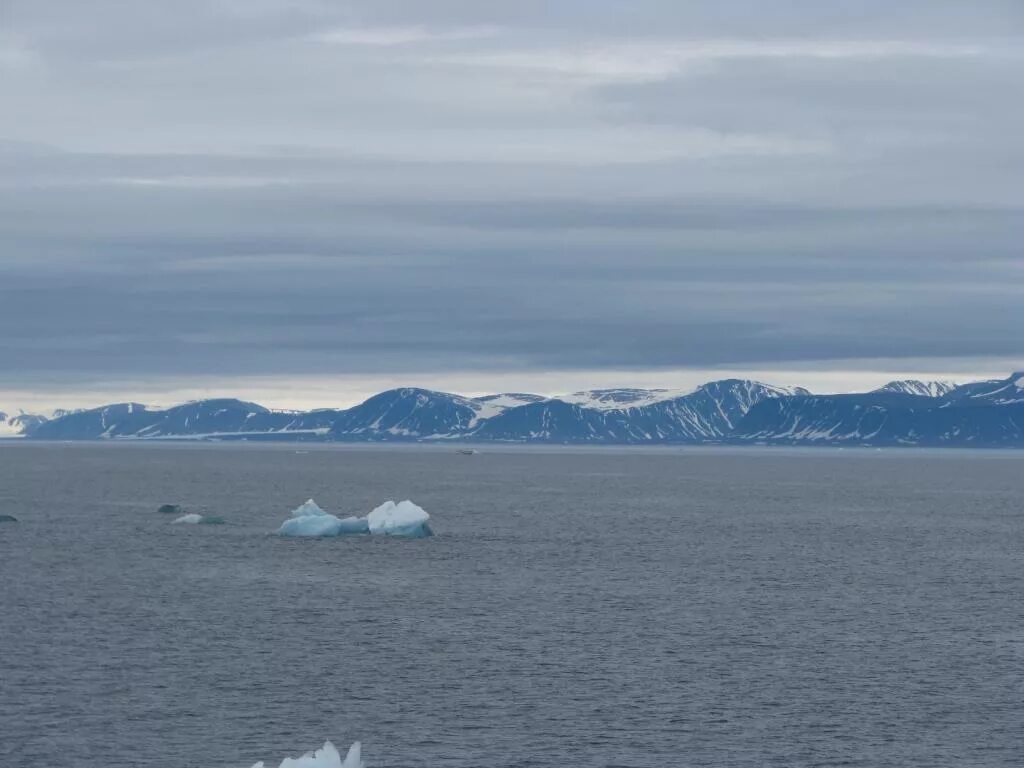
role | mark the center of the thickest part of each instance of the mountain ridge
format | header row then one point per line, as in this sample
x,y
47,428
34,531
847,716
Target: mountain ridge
x,y
730,411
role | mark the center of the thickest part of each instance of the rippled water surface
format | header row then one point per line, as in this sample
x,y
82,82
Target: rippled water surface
x,y
576,608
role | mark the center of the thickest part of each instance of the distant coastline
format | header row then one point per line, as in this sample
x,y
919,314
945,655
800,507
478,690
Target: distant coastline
x,y
905,413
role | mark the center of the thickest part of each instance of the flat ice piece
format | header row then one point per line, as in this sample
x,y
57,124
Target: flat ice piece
x,y
193,519
190,519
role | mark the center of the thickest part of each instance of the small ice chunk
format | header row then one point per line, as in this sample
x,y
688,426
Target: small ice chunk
x,y
190,519
325,757
402,519
193,519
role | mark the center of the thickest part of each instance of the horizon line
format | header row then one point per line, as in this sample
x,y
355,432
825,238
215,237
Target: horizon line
x,y
869,381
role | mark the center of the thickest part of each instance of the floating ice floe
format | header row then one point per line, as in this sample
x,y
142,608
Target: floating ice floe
x,y
390,519
325,757
309,521
193,519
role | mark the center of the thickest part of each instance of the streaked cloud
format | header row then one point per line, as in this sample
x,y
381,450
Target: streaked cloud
x,y
461,194
655,59
395,36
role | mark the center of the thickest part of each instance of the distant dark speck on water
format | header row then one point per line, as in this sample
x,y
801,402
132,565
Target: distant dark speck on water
x,y
8,519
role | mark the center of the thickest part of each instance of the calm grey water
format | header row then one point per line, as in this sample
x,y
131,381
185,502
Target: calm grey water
x,y
588,608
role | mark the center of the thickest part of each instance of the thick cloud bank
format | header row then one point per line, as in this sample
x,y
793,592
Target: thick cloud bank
x,y
389,519
504,189
325,757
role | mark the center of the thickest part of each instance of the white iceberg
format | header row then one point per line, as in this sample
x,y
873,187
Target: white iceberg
x,y
309,521
325,757
401,519
389,519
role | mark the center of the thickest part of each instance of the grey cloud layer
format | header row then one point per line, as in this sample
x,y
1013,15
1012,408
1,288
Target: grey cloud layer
x,y
256,187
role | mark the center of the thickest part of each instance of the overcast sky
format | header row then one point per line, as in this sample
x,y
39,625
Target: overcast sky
x,y
303,201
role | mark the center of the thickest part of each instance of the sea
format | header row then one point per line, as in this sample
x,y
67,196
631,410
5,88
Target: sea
x,y
637,608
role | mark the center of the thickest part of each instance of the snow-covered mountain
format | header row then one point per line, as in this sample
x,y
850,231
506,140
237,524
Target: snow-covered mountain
x,y
632,415
398,414
602,416
917,387
994,392
408,413
203,418
989,413
20,424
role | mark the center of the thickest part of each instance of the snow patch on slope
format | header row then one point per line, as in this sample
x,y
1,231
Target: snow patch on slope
x,y
489,406
621,399
1004,392
917,387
